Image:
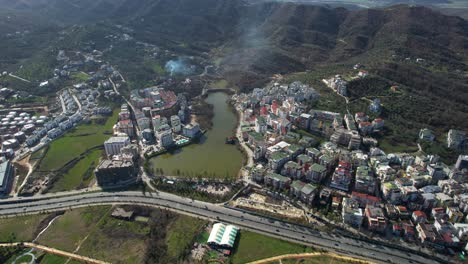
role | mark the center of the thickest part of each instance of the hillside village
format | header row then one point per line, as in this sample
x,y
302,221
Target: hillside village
x,y
330,162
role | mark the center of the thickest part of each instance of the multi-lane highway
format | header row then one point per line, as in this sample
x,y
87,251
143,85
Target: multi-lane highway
x,y
288,231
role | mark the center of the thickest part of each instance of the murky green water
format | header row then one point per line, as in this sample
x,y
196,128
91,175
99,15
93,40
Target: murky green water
x,y
211,157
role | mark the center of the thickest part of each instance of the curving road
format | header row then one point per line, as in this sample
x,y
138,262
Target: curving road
x,y
259,224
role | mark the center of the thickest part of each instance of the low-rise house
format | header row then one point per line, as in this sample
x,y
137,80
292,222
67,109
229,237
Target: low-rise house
x,y
258,173
341,178
454,214
365,199
365,182
462,231
409,193
375,219
308,193
436,171
443,200
408,230
385,172
365,127
438,212
378,124
462,162
66,125
361,117
351,213
447,232
55,133
457,139
426,134
391,211
403,212
428,234
391,192
336,202
325,195
419,217
451,187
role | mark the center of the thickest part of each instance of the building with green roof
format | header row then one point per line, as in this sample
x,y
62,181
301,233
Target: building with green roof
x,y
278,159
316,173
277,181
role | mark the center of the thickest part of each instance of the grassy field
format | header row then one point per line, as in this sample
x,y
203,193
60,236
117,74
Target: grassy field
x,y
54,259
389,147
75,142
20,228
80,76
98,235
79,175
181,234
317,260
252,246
221,84
70,229
109,234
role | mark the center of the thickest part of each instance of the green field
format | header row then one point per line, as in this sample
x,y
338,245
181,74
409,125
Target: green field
x,y
75,142
80,76
98,235
252,246
221,84
110,233
317,260
390,147
79,175
54,259
20,228
69,229
181,234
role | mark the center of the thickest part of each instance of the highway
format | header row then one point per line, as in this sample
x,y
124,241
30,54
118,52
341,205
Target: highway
x,y
259,224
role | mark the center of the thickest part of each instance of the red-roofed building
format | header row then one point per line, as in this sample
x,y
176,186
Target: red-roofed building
x,y
397,230
263,111
361,117
378,123
408,230
403,212
365,199
419,217
365,127
438,212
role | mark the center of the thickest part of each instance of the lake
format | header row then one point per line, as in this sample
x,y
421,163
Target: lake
x,y
211,157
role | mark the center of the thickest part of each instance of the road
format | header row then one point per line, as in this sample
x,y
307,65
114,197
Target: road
x,y
250,155
62,102
19,78
259,224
